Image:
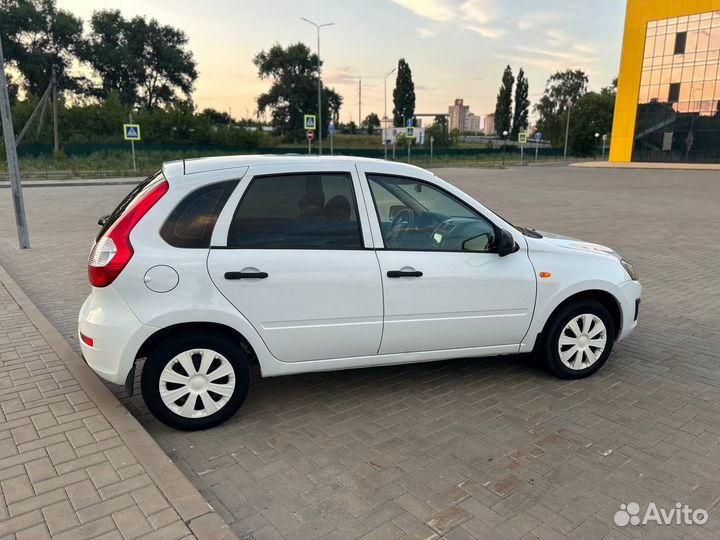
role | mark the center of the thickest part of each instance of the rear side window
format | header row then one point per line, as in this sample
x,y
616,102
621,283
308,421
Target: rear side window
x,y
301,211
191,223
137,193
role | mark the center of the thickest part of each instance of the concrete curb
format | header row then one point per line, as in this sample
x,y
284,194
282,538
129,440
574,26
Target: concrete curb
x,y
73,183
654,166
187,501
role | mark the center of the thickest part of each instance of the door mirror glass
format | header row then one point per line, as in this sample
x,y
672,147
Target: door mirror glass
x,y
506,243
482,243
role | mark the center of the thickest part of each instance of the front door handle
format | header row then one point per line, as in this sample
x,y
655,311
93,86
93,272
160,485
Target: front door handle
x,y
246,275
402,273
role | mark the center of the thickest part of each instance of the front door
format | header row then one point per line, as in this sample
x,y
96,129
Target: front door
x,y
295,265
444,285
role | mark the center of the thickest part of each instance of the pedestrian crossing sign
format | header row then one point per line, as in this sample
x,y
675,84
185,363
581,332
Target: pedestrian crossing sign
x,y
309,122
131,132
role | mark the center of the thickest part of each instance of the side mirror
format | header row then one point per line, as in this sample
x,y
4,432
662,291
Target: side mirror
x,y
506,243
478,244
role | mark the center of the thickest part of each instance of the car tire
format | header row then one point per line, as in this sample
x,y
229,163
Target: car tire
x,y
207,368
577,340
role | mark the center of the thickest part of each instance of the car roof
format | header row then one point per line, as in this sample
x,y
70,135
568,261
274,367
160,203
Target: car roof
x,y
175,170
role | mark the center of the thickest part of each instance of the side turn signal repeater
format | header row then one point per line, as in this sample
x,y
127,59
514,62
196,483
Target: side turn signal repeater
x,y
545,275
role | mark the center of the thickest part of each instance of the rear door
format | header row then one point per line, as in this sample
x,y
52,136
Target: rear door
x,y
293,259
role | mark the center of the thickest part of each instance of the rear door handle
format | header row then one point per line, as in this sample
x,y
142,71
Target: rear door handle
x,y
401,273
246,275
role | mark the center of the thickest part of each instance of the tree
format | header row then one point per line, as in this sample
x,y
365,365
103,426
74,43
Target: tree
x,y
293,93
37,37
503,105
562,91
216,117
592,113
403,94
439,130
145,62
371,122
522,103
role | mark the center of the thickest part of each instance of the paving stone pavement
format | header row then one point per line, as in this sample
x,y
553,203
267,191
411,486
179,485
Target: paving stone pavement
x,y
477,448
69,465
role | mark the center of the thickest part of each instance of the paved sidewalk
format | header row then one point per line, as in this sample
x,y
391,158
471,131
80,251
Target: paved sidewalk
x,y
73,462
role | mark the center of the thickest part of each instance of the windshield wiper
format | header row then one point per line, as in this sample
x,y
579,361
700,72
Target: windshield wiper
x,y
532,233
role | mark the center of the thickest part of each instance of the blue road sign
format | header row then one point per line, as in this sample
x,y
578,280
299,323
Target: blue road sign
x,y
331,128
131,132
538,136
410,122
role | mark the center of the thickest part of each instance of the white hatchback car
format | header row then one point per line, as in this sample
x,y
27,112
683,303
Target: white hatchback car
x,y
313,264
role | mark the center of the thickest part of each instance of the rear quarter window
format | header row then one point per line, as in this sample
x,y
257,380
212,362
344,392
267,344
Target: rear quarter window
x,y
191,223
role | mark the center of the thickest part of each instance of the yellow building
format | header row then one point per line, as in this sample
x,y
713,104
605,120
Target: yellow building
x,y
668,101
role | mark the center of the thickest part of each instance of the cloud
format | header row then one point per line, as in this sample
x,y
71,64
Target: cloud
x,y
424,32
584,48
435,10
536,19
343,75
491,33
561,55
477,12
556,38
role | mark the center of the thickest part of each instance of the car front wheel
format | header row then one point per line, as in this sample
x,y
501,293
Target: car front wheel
x,y
195,381
578,339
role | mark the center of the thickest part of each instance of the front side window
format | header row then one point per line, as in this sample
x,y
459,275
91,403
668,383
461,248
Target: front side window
x,y
297,211
418,216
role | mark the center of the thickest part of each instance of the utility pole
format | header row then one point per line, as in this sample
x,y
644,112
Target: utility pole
x,y
56,137
319,83
12,159
360,99
567,131
385,117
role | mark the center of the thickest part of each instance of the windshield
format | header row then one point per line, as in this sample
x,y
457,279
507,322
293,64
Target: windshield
x,y
136,192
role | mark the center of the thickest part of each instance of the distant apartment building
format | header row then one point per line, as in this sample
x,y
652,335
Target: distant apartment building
x,y
457,113
473,123
489,124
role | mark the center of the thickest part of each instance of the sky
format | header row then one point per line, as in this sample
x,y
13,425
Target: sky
x,y
455,48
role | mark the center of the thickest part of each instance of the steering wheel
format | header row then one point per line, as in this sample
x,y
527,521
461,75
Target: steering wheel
x,y
397,232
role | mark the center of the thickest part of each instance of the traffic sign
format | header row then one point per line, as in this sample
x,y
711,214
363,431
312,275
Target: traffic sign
x,y
522,137
409,122
310,135
605,137
309,121
538,136
131,132
331,128
410,132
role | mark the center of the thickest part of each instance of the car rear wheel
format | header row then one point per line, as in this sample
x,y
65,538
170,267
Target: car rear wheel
x,y
577,340
195,381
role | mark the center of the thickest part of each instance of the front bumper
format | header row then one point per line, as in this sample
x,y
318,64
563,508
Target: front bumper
x,y
629,294
116,332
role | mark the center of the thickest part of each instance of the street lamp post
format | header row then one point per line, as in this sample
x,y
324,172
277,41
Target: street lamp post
x,y
597,136
504,134
385,118
319,83
567,131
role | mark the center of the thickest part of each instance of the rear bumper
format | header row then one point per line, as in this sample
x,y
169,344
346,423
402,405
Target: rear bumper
x,y
629,294
116,332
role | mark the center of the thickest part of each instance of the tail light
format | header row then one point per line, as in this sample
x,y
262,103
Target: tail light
x,y
113,250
